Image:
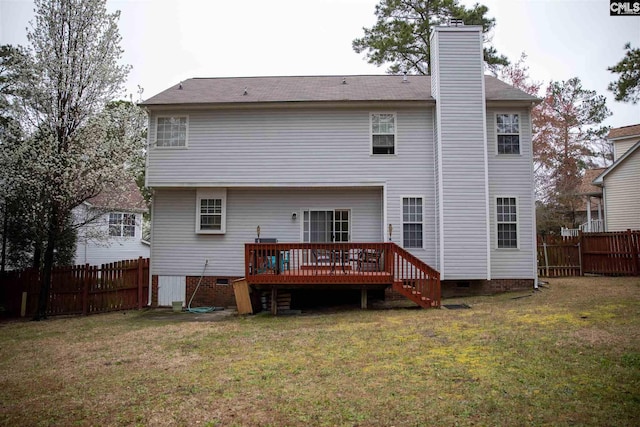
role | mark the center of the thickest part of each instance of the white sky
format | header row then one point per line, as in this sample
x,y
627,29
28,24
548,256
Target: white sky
x,y
171,40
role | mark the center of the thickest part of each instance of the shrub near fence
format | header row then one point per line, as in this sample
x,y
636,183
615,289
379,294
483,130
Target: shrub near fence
x,y
611,253
81,289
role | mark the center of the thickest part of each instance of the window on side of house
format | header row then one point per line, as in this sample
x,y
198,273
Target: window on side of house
x,y
508,133
211,211
383,133
507,222
412,222
122,224
171,131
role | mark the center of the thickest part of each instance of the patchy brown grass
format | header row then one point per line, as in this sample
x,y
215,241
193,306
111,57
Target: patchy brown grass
x,y
566,355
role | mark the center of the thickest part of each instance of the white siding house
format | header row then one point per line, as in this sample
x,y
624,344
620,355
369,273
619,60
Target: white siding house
x,y
443,161
111,227
621,181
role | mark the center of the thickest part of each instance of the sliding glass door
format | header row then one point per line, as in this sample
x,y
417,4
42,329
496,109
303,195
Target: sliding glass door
x,y
326,226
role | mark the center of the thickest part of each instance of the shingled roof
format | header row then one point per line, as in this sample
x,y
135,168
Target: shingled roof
x,y
624,131
586,186
236,90
128,199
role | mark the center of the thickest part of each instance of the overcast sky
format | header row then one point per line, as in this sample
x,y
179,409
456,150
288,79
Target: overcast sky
x,y
167,41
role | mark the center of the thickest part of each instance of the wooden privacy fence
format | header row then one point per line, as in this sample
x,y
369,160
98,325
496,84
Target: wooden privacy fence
x,y
611,253
79,289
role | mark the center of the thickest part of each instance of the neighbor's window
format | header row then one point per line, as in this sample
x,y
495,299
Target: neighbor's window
x,y
507,222
211,211
508,131
412,222
171,131
383,133
122,224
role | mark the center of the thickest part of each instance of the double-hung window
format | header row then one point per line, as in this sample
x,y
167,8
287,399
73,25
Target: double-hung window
x,y
122,224
508,133
507,222
383,133
412,212
171,131
211,211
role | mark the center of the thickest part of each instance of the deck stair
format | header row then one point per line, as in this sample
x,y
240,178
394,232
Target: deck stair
x,y
414,279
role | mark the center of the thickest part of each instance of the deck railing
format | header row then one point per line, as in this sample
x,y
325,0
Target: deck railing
x,y
332,263
318,263
415,275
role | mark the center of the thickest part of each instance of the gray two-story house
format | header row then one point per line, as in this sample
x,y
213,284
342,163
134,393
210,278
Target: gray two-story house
x,y
353,176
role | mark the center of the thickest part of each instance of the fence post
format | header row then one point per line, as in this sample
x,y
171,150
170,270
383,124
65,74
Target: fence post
x,y
635,261
85,290
580,251
546,257
139,280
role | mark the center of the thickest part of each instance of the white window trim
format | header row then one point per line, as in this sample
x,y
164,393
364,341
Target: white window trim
x,y
395,134
186,136
303,210
212,193
495,213
402,220
495,128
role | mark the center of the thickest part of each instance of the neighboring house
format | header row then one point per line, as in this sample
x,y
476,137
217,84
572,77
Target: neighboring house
x,y
620,183
589,215
445,160
114,230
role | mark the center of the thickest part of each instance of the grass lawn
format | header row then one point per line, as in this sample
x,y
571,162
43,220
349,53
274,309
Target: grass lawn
x,y
566,355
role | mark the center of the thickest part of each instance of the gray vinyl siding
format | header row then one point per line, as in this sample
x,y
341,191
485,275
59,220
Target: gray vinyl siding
x,y
288,146
510,176
622,195
622,146
460,108
179,251
296,147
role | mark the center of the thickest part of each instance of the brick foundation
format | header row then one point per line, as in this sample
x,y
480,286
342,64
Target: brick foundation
x,y
213,291
453,288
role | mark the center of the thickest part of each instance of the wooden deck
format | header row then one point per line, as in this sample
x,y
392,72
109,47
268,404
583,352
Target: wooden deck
x,y
342,264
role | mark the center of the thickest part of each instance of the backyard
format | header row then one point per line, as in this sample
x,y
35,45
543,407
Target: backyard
x,y
568,354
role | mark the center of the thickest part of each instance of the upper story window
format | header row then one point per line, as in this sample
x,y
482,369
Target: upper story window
x,y
412,222
508,132
171,131
211,211
383,133
122,224
507,222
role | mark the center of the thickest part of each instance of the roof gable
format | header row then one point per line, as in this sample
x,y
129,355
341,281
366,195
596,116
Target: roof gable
x,y
247,90
616,164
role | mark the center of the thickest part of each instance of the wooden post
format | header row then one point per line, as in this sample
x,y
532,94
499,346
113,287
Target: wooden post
x,y
580,252
363,298
546,257
139,280
85,289
274,301
635,261
23,306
